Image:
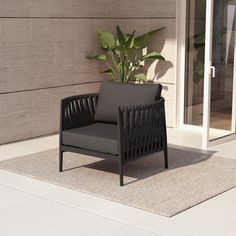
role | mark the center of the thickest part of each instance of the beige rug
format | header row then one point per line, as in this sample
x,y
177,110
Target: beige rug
x,y
192,178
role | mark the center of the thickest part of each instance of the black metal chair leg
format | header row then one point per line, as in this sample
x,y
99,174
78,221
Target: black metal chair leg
x,y
121,180
166,157
60,161
121,173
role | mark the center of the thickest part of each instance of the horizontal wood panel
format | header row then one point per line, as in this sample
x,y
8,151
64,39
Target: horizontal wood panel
x,y
88,8
33,113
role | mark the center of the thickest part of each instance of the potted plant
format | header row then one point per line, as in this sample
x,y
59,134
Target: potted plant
x,y
124,54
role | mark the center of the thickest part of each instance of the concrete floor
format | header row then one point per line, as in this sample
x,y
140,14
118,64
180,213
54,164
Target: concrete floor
x,y
31,207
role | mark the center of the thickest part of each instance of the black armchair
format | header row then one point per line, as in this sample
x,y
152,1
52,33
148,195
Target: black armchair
x,y
139,130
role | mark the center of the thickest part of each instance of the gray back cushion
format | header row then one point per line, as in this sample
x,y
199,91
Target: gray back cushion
x,y
113,94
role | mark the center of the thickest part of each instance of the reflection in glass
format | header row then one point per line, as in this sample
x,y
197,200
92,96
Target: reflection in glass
x,y
223,51
195,61
223,59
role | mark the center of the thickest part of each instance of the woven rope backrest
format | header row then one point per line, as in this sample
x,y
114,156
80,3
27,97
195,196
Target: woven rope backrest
x,y
79,110
142,129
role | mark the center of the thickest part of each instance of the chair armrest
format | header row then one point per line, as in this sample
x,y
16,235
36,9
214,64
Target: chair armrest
x,y
142,129
77,111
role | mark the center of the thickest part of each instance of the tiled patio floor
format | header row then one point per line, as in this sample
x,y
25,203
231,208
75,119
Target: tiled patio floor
x,y
31,207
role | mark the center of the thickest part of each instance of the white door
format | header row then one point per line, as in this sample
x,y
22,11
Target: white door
x,y
219,72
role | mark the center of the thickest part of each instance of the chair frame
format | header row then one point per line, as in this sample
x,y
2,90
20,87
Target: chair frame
x,y
141,129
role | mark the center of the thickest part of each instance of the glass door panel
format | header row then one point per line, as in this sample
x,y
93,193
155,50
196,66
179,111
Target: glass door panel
x,y
223,52
195,51
210,67
219,71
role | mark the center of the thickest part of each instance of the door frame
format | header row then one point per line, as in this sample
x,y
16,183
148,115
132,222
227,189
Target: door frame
x,y
207,74
181,28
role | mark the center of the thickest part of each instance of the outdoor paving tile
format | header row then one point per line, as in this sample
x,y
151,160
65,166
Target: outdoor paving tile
x,y
9,199
33,215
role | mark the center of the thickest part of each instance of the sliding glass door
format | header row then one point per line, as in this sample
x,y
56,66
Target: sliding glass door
x,y
210,68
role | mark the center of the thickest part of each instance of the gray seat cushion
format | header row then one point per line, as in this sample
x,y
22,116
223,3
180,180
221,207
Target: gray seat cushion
x,y
99,137
113,94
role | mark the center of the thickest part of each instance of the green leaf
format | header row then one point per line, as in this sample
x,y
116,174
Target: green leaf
x,y
200,69
153,32
106,39
130,41
101,57
120,36
108,71
131,52
141,77
199,45
125,53
153,55
117,49
144,40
